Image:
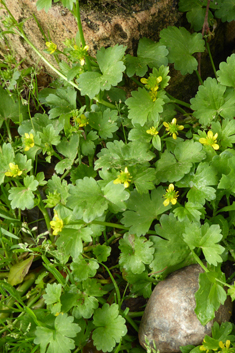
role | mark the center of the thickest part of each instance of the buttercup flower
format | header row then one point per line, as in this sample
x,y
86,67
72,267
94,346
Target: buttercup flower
x,y
80,53
51,47
225,348
171,195
57,224
152,84
13,170
81,120
173,128
210,140
28,141
123,178
152,131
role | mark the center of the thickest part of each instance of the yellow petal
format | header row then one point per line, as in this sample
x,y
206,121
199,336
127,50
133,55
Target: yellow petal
x,y
215,146
174,136
210,134
166,202
203,140
171,187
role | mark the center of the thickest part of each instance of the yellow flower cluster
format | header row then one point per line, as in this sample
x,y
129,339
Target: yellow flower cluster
x,y
57,224
123,178
51,47
13,170
171,195
152,131
28,141
210,140
152,84
173,128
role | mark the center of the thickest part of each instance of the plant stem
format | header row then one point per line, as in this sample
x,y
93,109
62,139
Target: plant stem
x,y
199,261
211,59
199,77
44,212
177,101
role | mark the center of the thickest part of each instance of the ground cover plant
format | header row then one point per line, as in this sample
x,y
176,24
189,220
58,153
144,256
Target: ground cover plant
x,y
103,195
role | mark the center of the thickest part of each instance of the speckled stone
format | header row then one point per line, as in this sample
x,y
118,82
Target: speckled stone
x,y
169,318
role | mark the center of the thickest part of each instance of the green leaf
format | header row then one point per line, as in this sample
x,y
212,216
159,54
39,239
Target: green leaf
x,y
196,17
170,242
81,172
231,292
22,197
225,165
205,237
211,101
55,184
119,155
140,285
135,253
200,191
143,209
82,269
53,293
142,108
11,109
149,54
181,45
62,102
116,195
110,327
179,162
226,133
226,11
143,178
209,295
91,201
111,67
44,4
69,148
104,122
191,211
68,3
70,240
221,332
57,339
49,136
7,156
226,74
19,271
87,144
102,252
24,165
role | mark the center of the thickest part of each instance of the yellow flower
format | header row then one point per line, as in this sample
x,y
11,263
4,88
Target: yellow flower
x,y
225,348
81,120
80,53
51,47
123,178
13,170
210,140
28,141
152,84
57,224
173,128
152,131
171,195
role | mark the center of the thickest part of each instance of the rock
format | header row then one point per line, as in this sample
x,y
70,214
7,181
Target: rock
x,y
169,318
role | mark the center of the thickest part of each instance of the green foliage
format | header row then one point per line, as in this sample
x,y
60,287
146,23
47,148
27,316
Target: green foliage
x,y
110,327
111,71
182,44
139,184
59,338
